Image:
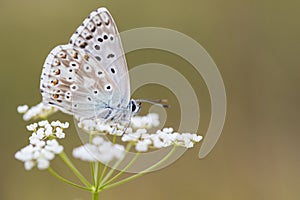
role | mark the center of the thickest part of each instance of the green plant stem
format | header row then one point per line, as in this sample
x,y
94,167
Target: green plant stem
x,y
65,180
121,172
142,172
96,171
92,172
65,158
102,173
95,195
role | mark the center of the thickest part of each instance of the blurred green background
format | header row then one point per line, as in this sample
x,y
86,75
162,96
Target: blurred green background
x,y
256,46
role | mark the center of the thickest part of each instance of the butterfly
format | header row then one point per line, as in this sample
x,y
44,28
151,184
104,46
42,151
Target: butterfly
x,y
88,77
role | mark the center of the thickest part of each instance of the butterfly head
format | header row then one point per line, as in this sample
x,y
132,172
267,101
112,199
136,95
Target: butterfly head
x,y
134,106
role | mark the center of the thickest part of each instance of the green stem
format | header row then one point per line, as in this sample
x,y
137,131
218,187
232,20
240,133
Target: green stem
x,y
92,172
102,173
65,180
121,172
95,195
96,171
65,158
142,172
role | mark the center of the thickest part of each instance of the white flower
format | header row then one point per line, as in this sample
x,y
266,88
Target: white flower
x,y
49,129
22,109
39,155
162,138
99,150
137,133
59,133
142,146
148,121
65,125
38,111
43,130
32,127
53,146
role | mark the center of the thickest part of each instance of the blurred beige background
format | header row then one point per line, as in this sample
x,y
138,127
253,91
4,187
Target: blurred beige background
x,y
255,45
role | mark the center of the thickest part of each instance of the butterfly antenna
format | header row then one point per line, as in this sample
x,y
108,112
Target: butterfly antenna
x,y
157,102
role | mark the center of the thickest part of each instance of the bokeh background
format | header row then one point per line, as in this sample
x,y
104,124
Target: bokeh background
x,y
255,45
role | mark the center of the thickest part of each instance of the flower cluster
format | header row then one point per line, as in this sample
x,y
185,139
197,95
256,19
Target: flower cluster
x,y
162,138
35,112
99,150
149,121
43,144
137,133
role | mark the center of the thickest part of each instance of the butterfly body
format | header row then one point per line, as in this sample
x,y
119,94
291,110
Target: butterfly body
x,y
88,77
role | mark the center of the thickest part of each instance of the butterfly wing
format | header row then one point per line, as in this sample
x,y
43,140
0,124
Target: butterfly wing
x,y
99,36
74,81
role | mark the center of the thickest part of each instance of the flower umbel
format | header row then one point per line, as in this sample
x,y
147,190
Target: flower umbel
x,y
43,144
99,150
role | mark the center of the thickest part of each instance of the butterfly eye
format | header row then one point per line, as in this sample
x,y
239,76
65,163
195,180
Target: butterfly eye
x,y
135,108
108,87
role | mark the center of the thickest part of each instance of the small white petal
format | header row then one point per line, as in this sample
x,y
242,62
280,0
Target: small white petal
x,y
42,163
65,125
47,154
36,154
25,153
29,165
22,109
141,146
43,123
85,153
197,138
59,133
32,127
49,130
55,123
157,143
